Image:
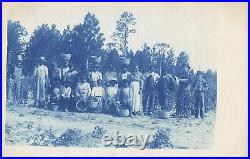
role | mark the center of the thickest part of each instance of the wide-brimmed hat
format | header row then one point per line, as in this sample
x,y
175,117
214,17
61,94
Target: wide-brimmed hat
x,y
96,66
66,56
19,58
42,58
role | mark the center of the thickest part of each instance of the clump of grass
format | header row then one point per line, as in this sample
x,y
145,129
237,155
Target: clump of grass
x,y
71,137
161,140
98,132
43,138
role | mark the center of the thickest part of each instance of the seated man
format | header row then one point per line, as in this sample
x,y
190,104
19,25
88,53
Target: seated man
x,y
111,97
83,90
65,101
125,96
98,92
55,94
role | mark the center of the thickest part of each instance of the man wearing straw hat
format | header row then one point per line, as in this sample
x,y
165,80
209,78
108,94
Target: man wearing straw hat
x,y
41,82
65,68
18,75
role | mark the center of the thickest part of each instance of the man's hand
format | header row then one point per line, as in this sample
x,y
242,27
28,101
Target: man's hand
x,y
140,91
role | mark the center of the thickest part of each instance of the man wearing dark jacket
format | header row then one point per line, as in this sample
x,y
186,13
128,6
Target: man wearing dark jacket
x,y
165,87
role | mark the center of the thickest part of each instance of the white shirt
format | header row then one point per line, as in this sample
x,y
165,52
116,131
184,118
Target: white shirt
x,y
41,72
111,92
98,91
125,75
65,70
66,92
95,76
83,88
155,76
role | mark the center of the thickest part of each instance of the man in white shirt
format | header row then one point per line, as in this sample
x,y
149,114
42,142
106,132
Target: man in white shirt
x,y
41,82
98,92
66,101
65,69
95,75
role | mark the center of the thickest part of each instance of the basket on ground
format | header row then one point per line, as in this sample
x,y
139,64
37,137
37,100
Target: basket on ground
x,y
123,112
163,114
93,104
54,106
81,106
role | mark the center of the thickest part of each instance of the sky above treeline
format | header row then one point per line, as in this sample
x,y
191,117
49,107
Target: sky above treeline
x,y
194,28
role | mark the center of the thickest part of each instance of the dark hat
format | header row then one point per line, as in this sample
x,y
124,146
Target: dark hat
x,y
199,73
113,81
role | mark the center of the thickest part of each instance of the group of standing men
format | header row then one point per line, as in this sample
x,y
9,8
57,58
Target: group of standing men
x,y
137,92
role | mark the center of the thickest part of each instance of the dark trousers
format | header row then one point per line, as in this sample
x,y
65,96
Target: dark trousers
x,y
163,101
17,91
199,104
149,100
65,103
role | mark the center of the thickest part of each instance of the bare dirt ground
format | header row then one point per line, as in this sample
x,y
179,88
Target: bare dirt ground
x,y
26,125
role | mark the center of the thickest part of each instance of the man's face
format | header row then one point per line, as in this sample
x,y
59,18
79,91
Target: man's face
x,y
66,62
19,63
125,69
99,83
112,83
95,84
125,84
186,69
151,70
41,62
112,69
136,68
199,76
54,65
